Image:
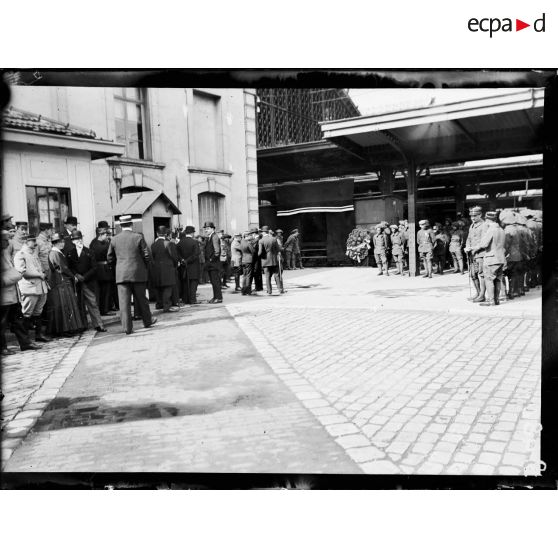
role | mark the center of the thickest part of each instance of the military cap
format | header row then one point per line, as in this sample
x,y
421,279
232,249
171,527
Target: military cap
x,y
254,230
279,231
103,225
492,215
71,221
265,228
57,237
162,230
423,222
45,226
394,226
76,235
476,210
209,224
189,229
237,234
21,224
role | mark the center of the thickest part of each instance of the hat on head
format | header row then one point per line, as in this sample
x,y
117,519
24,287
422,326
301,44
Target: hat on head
x,y
475,210
394,226
189,229
45,226
162,231
103,225
508,217
71,221
254,230
237,234
21,224
125,220
265,228
209,224
57,237
6,217
76,235
492,215
423,222
294,231
279,231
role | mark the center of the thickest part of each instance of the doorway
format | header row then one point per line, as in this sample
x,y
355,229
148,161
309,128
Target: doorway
x,y
161,222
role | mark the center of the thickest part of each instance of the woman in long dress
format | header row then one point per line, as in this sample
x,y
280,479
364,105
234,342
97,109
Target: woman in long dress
x,y
64,315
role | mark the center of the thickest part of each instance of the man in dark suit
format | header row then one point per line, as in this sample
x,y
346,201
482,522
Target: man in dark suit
x,y
128,252
165,259
248,247
82,263
71,225
105,275
189,253
212,261
268,251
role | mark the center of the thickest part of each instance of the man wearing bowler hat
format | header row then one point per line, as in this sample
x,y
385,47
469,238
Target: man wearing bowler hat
x,y
212,261
71,225
81,261
128,252
189,253
165,259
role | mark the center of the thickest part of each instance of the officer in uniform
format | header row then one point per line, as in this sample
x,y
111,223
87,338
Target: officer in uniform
x,y
476,232
380,243
440,247
397,248
513,269
456,248
426,239
492,244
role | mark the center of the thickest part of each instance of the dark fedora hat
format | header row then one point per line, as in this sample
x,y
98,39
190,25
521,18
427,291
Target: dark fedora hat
x,y
189,229
265,228
209,224
56,237
162,230
76,235
71,220
102,225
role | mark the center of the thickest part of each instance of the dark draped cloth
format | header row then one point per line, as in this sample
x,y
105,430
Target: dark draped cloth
x,y
64,314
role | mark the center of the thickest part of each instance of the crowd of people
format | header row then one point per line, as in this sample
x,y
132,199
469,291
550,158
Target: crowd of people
x,y
53,285
502,252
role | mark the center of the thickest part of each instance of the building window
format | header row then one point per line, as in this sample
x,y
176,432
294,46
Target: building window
x,y
208,141
131,119
47,205
211,207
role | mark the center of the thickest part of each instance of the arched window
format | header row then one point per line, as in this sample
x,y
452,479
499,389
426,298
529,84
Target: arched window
x,y
211,207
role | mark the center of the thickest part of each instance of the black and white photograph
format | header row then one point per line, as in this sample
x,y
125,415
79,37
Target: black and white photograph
x,y
273,276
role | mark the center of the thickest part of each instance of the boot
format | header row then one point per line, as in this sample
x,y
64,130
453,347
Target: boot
x,y
39,336
460,263
497,289
429,268
400,266
482,291
476,284
380,267
387,269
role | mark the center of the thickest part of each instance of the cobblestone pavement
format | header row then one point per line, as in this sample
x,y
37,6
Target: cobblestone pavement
x,y
348,372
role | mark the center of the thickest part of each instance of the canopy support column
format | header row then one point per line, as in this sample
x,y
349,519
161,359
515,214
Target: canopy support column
x,y
412,180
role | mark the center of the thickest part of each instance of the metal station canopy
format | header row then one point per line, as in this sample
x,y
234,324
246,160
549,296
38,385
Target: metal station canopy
x,y
503,125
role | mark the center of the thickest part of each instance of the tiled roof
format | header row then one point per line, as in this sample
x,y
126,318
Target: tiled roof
x,y
22,120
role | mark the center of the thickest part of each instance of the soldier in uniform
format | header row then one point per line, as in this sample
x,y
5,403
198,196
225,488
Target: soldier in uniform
x,y
426,240
380,242
456,248
492,245
18,241
476,232
397,248
528,251
513,270
403,229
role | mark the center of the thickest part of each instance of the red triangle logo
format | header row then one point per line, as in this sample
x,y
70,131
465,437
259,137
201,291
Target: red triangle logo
x,y
519,25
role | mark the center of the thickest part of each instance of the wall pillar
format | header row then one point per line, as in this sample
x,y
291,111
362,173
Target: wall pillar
x,y
411,178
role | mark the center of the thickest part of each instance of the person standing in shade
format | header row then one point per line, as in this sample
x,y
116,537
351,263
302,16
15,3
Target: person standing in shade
x,y
71,225
105,277
476,267
236,261
33,287
268,251
165,259
83,265
10,309
440,247
289,247
189,252
44,246
492,244
248,247
397,248
456,248
213,261
380,243
129,254
63,308
426,239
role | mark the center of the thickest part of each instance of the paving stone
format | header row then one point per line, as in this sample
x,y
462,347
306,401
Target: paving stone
x,y
342,429
489,458
353,441
482,469
457,469
440,457
361,455
430,469
514,459
380,467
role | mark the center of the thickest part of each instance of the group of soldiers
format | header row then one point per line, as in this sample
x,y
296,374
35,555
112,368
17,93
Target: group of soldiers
x,y
502,251
52,281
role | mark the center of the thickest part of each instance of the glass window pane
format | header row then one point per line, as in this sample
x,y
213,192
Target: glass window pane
x,y
65,207
118,91
133,112
133,150
120,128
132,93
119,109
32,210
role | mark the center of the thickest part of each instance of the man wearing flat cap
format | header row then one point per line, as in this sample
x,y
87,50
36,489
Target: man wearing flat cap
x,y
165,260
426,240
129,254
475,253
83,265
213,261
189,253
33,287
268,251
492,244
